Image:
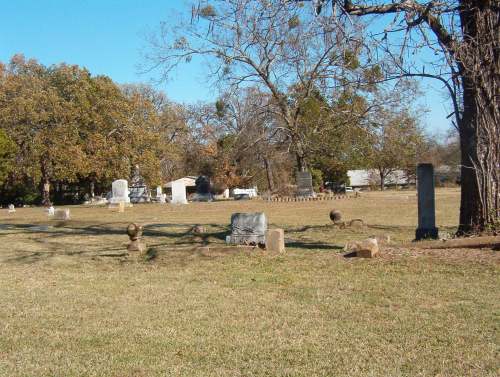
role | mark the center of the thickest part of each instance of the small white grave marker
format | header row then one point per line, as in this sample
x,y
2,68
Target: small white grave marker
x,y
50,211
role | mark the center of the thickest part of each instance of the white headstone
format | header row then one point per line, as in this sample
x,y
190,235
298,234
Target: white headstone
x,y
120,192
163,198
11,208
179,192
50,211
159,192
225,194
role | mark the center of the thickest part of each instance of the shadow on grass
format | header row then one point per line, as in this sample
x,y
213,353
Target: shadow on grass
x,y
71,228
313,245
55,239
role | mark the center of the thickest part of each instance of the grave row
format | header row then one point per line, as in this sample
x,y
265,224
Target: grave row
x,y
310,198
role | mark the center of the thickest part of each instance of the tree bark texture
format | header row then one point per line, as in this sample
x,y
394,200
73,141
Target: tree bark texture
x,y
479,127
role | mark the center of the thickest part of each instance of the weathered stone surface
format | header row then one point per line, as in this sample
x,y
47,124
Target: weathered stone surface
x,y
275,240
364,249
121,207
134,231
120,193
139,192
248,228
335,215
304,184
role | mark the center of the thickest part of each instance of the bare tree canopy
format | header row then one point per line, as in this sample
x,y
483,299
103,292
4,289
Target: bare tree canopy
x,y
459,41
282,48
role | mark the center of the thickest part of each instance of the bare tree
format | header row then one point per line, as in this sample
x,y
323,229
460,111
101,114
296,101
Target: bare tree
x,y
464,37
274,45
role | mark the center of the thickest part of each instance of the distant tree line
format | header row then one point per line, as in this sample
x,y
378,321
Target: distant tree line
x,y
66,135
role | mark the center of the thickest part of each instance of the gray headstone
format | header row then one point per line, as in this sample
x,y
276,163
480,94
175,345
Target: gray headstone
x,y
139,192
304,184
248,228
426,206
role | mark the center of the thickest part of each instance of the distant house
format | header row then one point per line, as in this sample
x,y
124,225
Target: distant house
x,y
371,177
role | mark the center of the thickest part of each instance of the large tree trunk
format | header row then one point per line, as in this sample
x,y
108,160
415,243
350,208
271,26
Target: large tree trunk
x,y
382,180
476,51
479,127
45,186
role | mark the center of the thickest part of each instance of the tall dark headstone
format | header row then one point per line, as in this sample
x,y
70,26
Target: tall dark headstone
x,y
203,189
426,206
304,184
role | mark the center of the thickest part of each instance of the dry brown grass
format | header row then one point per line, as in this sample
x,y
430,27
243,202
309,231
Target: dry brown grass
x,y
72,304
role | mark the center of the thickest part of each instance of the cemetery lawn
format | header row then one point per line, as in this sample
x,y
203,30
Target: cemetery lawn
x,y
72,303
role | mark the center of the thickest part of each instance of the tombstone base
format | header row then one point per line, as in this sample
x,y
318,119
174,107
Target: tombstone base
x,y
136,245
422,234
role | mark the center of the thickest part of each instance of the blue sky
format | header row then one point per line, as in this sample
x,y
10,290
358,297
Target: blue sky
x,y
108,37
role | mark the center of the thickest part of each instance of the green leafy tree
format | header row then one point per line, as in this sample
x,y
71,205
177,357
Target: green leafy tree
x,y
8,151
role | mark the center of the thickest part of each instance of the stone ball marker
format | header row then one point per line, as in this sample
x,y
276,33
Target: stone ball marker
x,y
134,231
335,215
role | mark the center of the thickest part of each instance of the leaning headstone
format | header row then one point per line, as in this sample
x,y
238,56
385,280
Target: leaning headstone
x,y
426,206
179,192
203,189
120,192
62,214
248,228
11,208
304,184
139,192
275,240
